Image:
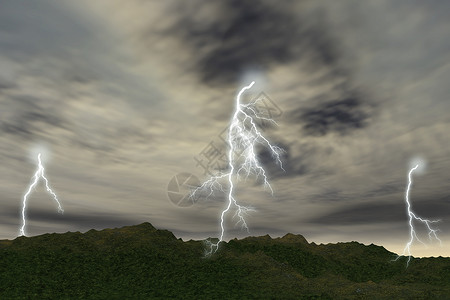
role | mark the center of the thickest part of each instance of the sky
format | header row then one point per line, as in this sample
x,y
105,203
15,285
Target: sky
x,y
120,97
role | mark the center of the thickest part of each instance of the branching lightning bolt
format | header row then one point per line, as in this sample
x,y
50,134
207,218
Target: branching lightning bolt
x,y
412,216
39,174
244,136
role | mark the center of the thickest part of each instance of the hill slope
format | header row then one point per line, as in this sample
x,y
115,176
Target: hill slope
x,y
141,262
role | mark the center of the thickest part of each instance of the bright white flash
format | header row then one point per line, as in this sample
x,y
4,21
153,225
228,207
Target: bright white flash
x,y
413,217
243,138
39,174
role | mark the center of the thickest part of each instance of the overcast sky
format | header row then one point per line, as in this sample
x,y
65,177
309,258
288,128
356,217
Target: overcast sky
x,y
119,97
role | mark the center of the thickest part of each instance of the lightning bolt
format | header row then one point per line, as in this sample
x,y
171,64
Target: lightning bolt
x,y
413,217
243,137
39,174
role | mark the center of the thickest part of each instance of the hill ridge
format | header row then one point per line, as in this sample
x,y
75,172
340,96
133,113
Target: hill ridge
x,y
141,261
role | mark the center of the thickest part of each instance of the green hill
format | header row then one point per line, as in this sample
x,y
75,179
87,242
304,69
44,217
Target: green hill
x,y
141,262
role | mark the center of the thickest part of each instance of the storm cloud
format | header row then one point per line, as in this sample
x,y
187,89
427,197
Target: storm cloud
x,y
121,96
340,116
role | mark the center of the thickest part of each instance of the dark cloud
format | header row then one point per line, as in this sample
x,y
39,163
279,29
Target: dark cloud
x,y
291,166
375,213
43,117
258,35
329,195
363,214
385,189
27,117
252,35
341,116
85,221
14,129
6,85
68,219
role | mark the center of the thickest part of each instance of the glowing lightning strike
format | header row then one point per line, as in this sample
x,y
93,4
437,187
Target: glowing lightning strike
x,y
243,135
412,217
39,173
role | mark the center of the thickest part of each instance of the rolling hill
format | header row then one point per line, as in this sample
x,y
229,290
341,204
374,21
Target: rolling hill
x,y
142,262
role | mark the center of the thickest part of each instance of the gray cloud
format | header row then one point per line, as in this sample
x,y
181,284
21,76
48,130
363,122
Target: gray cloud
x,y
235,36
124,100
243,35
258,36
341,116
73,220
388,188
6,85
291,166
373,213
28,118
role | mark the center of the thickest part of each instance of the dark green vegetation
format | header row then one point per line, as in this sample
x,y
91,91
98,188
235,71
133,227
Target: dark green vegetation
x,y
141,262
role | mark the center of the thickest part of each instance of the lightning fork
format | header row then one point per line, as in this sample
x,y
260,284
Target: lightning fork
x,y
413,217
243,135
39,174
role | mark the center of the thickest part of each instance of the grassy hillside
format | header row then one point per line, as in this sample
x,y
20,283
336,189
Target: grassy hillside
x,y
141,262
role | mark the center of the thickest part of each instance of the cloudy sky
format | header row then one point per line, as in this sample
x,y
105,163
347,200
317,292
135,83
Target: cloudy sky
x,y
119,97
